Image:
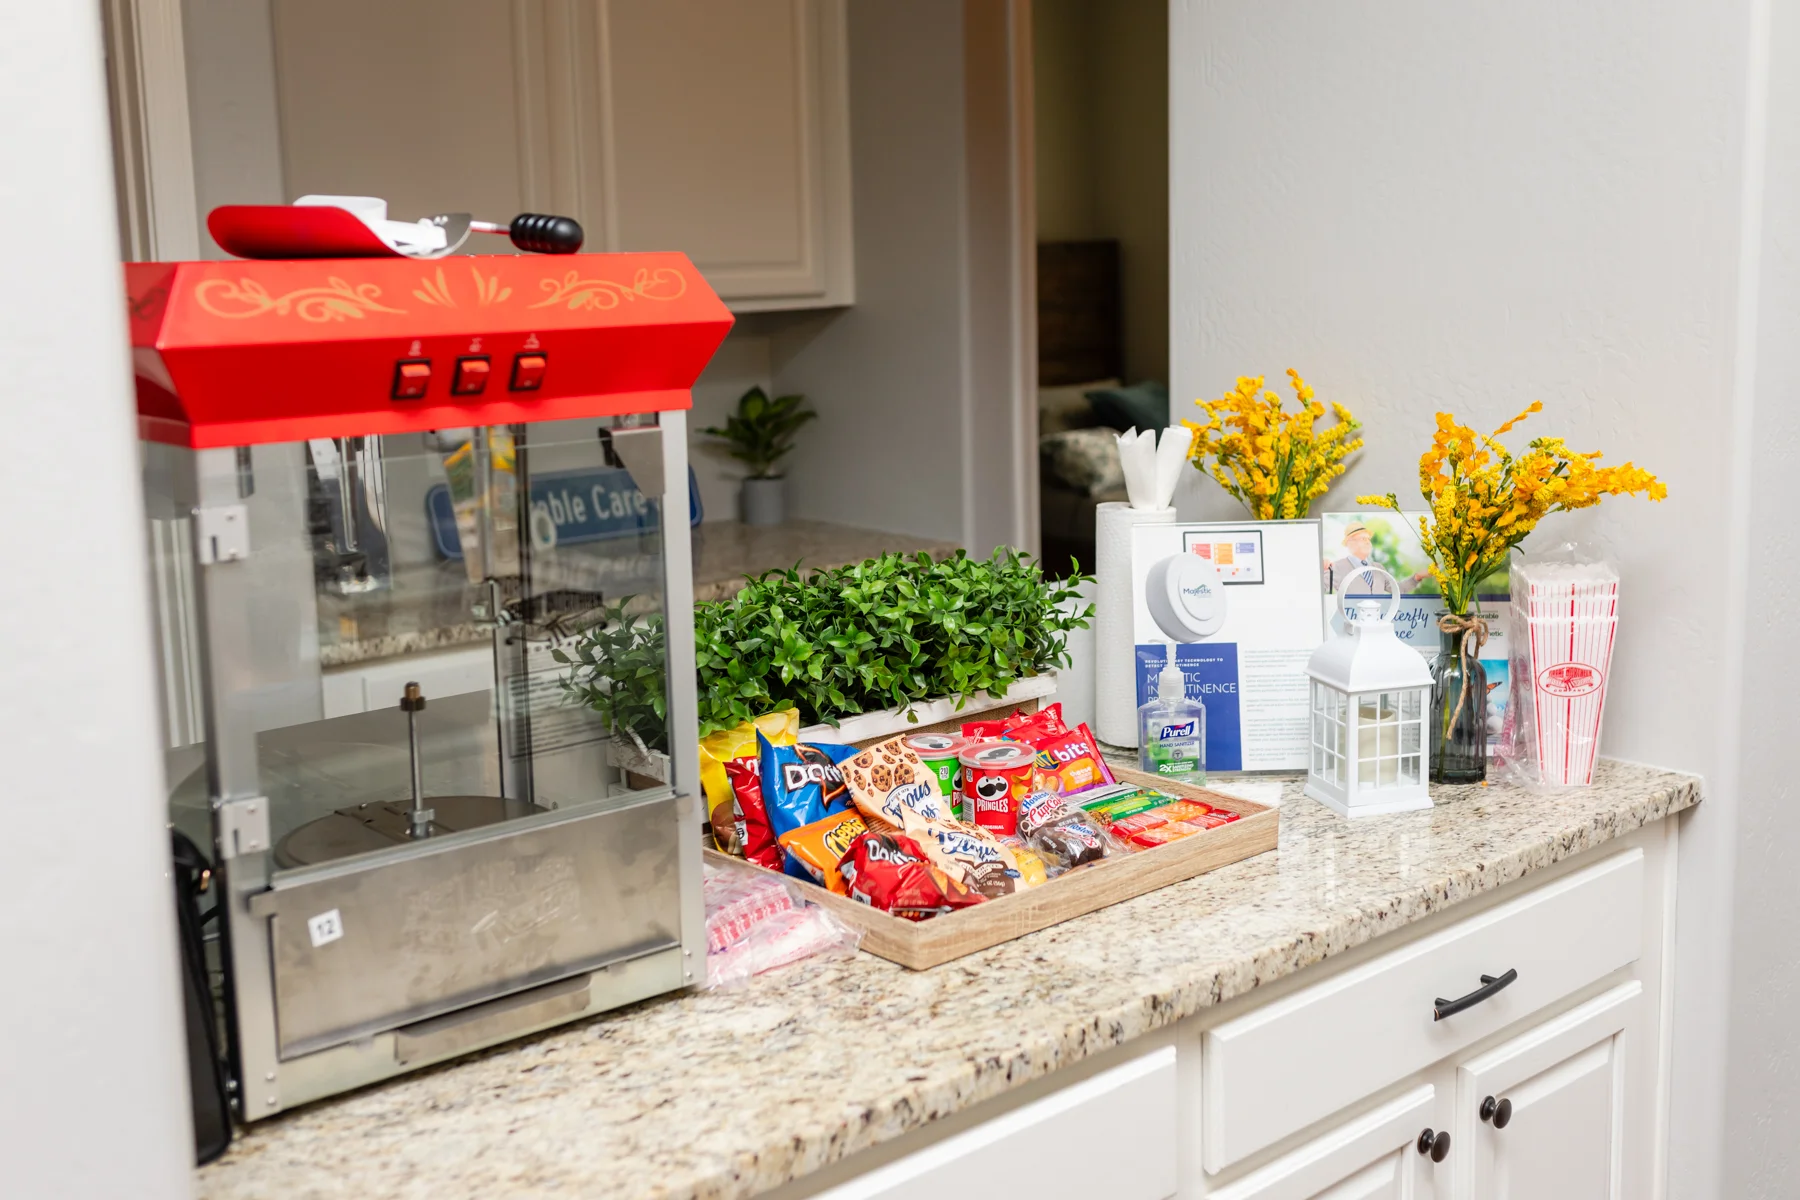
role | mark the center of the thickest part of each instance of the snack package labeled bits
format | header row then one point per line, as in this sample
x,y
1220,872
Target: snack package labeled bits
x,y
1564,616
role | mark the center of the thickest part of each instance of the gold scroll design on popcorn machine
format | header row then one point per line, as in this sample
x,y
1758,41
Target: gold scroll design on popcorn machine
x,y
338,300
661,283
488,290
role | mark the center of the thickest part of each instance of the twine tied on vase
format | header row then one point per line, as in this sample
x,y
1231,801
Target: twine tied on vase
x,y
1472,628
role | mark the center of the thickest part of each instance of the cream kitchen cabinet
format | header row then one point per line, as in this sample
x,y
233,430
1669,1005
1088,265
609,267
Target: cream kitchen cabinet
x,y
716,127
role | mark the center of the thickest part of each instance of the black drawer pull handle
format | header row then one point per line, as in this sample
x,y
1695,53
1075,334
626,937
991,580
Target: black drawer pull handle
x,y
1489,985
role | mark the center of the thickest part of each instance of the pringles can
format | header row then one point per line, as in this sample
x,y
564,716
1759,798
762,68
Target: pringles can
x,y
940,753
996,776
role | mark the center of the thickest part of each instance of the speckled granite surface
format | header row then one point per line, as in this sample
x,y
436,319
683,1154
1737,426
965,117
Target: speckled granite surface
x,y
428,607
727,1094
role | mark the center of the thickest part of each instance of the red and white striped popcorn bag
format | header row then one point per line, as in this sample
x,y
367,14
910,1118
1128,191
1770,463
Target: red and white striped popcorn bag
x,y
1563,619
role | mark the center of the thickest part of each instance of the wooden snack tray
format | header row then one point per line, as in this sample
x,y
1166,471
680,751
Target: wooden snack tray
x,y
923,944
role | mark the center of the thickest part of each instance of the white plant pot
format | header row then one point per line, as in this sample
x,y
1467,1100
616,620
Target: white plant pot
x,y
873,726
764,501
869,726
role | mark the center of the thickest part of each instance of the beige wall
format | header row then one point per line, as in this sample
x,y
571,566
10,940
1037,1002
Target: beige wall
x,y
1102,102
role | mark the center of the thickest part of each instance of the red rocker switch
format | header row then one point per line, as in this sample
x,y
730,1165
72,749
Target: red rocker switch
x,y
471,376
528,372
411,377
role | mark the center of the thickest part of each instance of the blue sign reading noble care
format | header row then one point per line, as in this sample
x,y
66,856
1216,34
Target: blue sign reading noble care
x,y
584,506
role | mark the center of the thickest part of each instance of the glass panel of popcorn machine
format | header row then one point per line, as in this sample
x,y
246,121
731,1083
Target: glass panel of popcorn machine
x,y
478,617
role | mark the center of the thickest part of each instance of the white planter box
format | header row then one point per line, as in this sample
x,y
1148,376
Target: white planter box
x,y
866,728
930,715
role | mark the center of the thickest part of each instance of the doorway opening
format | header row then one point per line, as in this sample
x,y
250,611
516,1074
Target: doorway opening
x,y
1101,161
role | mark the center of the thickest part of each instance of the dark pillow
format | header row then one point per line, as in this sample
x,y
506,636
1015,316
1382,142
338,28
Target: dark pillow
x,y
1140,406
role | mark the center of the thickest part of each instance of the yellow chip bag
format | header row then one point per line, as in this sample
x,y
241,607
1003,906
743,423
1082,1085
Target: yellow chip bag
x,y
781,727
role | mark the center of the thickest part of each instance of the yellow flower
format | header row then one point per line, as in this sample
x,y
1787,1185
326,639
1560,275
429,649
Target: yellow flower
x,y
1483,501
1271,459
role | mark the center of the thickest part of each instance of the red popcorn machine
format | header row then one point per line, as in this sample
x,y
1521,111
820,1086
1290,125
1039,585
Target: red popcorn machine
x,y
387,496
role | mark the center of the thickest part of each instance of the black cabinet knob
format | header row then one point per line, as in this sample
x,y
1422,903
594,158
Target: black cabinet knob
x,y
1499,1112
1436,1144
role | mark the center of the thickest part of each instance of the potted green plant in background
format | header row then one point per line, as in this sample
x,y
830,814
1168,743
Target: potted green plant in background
x,y
759,435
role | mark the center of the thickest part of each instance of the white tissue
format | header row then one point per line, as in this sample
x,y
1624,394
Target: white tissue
x,y
1152,469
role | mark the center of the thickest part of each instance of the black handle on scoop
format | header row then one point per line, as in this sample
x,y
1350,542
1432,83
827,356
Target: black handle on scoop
x,y
541,233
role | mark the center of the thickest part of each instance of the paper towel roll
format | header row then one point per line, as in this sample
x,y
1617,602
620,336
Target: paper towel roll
x,y
1115,669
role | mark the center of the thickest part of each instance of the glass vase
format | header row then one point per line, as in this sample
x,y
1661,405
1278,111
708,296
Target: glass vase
x,y
1458,713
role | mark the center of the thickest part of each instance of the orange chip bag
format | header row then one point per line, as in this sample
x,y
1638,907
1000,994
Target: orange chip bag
x,y
1070,762
820,846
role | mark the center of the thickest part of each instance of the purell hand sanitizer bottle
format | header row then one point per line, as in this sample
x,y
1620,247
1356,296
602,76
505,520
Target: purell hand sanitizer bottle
x,y
1172,729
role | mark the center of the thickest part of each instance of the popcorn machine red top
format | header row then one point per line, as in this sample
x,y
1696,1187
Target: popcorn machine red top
x,y
356,460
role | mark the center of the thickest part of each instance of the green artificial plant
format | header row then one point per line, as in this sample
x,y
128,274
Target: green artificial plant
x,y
880,634
761,432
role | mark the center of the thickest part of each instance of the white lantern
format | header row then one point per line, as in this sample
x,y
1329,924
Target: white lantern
x,y
1371,697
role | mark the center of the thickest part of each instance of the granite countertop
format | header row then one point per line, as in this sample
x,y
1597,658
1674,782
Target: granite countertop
x,y
427,607
725,1094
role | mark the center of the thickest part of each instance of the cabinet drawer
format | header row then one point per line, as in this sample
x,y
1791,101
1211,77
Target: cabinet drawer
x,y
1278,1069
1374,1156
1054,1146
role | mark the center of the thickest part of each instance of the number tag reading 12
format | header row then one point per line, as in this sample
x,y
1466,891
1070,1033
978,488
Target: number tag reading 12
x,y
584,506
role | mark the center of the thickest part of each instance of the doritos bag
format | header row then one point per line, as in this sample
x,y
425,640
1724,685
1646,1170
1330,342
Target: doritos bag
x,y
802,784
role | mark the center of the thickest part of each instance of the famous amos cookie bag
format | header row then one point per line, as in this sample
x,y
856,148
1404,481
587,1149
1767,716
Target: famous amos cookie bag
x,y
889,780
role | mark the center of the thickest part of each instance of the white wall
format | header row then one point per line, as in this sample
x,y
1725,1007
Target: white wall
x,y
888,375
93,1095
741,363
233,111
1469,208
1763,1085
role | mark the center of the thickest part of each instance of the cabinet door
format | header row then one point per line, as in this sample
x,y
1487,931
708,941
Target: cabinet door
x,y
1556,1128
1053,1148
1375,1157
726,131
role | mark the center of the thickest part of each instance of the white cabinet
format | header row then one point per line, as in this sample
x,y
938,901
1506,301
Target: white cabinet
x,y
1323,1087
1542,1116
727,138
719,128
1053,1148
1286,1064
1374,1157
